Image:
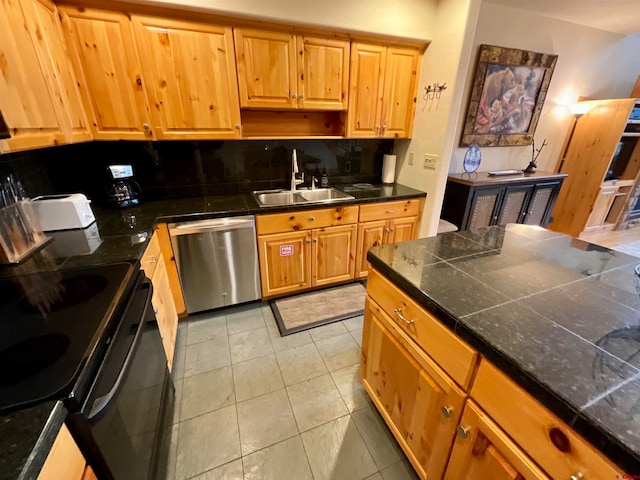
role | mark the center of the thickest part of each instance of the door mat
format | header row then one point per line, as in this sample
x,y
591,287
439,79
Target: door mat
x,y
308,310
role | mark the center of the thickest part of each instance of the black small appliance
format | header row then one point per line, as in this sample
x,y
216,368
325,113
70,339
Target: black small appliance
x,y
122,189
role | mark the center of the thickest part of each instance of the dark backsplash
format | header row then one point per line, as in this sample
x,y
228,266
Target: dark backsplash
x,y
173,169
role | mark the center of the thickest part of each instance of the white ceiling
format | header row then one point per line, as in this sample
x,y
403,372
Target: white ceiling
x,y
619,16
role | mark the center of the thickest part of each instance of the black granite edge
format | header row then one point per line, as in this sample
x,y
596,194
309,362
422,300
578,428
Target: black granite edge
x,y
610,445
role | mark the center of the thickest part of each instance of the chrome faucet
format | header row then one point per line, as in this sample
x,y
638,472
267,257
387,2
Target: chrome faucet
x,y
294,169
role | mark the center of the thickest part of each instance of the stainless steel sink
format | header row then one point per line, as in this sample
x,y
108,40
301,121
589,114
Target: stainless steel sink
x,y
269,198
323,194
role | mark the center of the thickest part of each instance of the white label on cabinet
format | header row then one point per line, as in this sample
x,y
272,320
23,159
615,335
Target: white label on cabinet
x,y
286,250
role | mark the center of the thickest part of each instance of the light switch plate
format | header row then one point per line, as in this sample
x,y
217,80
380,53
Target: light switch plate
x,y
411,157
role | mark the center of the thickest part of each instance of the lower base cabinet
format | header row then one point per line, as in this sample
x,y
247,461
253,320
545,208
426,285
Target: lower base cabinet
x,y
65,461
482,451
418,401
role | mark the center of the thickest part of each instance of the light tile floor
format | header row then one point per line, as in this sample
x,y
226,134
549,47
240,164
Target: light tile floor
x,y
256,406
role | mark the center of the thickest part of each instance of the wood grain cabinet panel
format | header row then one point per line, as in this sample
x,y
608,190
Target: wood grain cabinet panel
x,y
64,461
411,399
190,74
46,32
383,82
105,58
370,234
266,63
26,101
165,310
333,251
482,451
285,262
279,70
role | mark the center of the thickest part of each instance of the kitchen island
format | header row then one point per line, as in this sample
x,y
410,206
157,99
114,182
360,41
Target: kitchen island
x,y
550,323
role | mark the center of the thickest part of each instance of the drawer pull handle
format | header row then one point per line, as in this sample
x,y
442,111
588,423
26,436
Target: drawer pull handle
x,y
577,476
463,432
447,412
391,211
398,312
312,219
308,241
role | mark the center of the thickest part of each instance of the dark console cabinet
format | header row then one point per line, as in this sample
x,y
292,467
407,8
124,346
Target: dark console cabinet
x,y
480,200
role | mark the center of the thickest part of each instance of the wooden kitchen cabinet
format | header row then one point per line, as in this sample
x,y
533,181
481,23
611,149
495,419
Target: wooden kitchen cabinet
x,y
472,202
418,401
105,58
164,308
305,249
190,75
385,223
382,96
285,262
65,461
46,32
482,451
279,70
26,100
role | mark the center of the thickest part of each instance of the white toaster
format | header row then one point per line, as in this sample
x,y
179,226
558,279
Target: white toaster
x,y
63,212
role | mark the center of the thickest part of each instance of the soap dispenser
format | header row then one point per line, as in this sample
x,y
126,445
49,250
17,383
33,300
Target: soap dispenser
x,y
324,179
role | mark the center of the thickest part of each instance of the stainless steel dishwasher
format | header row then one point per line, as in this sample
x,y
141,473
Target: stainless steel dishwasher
x,y
217,261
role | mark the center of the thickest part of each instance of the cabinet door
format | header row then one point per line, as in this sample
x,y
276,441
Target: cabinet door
x,y
285,262
333,251
484,206
601,206
323,73
370,234
366,84
165,310
399,95
512,209
266,69
482,451
46,33
190,71
106,63
25,100
410,400
541,204
402,229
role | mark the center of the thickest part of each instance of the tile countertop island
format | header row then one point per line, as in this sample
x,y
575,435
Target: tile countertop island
x,y
558,315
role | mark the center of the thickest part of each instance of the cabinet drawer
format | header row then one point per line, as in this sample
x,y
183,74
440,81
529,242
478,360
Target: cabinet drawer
x,y
382,211
455,357
151,256
305,219
543,436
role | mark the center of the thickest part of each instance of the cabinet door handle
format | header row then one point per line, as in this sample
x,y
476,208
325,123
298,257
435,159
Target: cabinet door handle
x,y
302,95
392,229
145,126
384,127
315,240
237,126
152,259
463,432
398,312
391,211
312,219
577,476
447,411
377,130
308,241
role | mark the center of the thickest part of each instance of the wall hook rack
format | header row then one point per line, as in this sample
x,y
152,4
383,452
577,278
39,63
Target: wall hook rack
x,y
433,91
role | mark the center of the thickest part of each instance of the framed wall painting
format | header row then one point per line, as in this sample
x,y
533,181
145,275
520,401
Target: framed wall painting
x,y
509,88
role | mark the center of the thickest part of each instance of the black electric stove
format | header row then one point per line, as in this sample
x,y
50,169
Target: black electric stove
x,y
51,324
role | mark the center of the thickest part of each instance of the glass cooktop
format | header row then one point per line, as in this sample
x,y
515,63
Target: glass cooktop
x,y
49,323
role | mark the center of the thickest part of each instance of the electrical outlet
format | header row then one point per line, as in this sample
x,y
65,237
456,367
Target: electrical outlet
x,y
411,157
430,161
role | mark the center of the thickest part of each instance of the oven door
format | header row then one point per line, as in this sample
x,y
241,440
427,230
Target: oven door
x,y
124,427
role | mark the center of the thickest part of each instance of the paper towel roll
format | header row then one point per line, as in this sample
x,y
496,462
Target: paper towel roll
x,y
389,169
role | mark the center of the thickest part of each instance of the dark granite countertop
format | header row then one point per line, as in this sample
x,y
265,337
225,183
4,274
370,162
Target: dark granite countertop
x,y
559,315
123,236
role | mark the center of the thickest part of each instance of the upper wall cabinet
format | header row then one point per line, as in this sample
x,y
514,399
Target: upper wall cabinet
x,y
105,58
382,99
190,75
26,101
287,72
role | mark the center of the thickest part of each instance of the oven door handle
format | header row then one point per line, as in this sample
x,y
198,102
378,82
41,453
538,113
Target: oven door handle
x,y
102,402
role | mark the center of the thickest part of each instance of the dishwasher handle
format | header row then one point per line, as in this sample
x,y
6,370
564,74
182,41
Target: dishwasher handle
x,y
215,225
